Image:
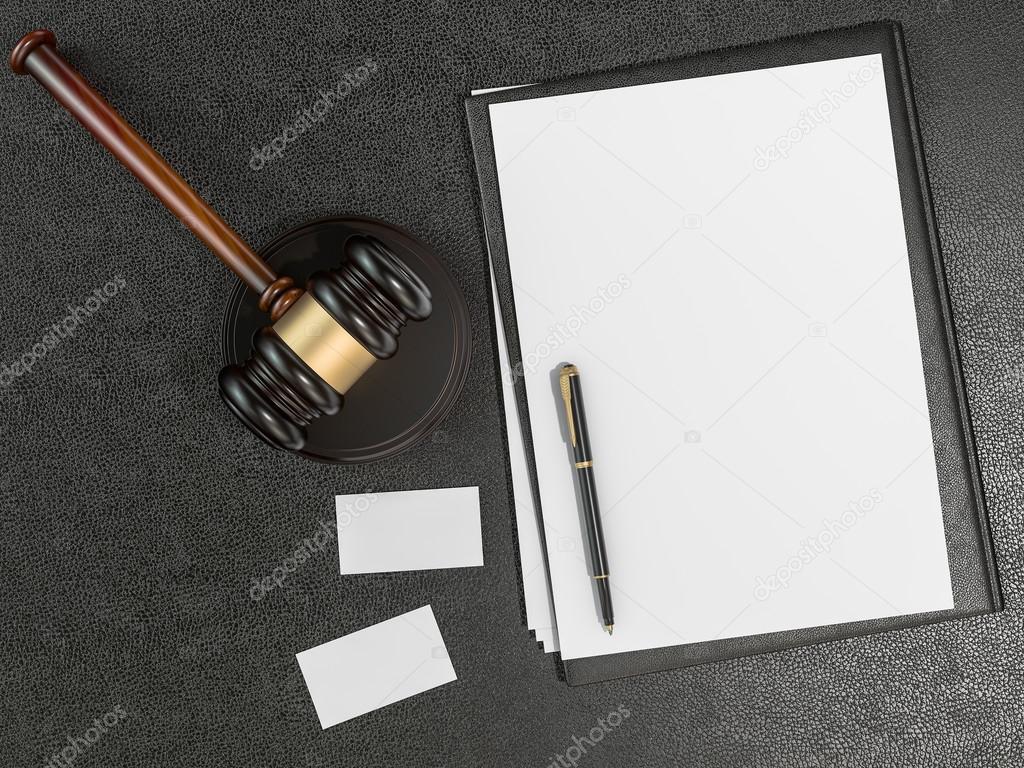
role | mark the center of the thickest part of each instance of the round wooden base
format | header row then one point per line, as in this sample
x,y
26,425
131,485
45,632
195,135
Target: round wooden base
x,y
398,401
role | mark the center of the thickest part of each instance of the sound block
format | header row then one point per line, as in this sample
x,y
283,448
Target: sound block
x,y
398,401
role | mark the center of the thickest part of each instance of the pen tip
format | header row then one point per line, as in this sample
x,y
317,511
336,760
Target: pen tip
x,y
608,628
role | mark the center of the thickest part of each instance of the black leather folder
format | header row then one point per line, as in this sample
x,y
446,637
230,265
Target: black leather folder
x,y
971,559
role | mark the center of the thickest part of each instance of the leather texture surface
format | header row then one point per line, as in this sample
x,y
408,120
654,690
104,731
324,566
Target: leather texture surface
x,y
138,515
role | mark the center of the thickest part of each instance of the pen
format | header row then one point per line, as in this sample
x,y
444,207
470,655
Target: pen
x,y
576,419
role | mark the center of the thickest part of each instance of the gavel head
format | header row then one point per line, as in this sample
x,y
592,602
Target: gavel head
x,y
302,365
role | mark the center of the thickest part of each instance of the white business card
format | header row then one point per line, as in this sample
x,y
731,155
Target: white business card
x,y
409,530
376,666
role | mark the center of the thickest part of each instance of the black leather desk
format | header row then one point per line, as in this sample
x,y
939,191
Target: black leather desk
x,y
136,512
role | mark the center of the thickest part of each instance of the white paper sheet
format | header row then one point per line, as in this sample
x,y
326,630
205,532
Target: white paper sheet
x,y
376,666
409,530
724,259
540,612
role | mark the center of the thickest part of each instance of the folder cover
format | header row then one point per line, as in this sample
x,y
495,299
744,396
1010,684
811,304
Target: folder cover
x,y
973,579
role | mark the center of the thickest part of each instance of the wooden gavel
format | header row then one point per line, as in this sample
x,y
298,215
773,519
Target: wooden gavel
x,y
322,339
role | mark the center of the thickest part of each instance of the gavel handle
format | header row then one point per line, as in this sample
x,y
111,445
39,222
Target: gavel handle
x,y
36,54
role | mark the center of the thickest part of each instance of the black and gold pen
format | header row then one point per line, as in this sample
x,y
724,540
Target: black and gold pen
x,y
576,419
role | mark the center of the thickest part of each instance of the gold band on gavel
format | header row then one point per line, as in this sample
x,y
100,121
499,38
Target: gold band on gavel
x,y
322,344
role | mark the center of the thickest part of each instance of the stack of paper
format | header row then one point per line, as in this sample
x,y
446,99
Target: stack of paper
x,y
540,612
724,259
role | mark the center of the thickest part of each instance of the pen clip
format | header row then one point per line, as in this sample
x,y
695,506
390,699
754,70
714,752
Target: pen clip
x,y
563,381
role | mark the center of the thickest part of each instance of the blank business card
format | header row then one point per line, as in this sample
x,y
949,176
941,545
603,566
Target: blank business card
x,y
409,530
376,666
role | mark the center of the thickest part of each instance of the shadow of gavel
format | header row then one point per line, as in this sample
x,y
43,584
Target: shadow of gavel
x,y
322,338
